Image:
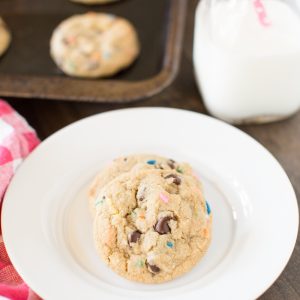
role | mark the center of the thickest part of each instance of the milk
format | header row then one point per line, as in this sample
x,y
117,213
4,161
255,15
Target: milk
x,y
247,58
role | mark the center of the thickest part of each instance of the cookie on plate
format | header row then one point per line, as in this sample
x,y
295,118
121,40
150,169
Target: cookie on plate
x,y
5,37
153,225
94,45
91,2
128,163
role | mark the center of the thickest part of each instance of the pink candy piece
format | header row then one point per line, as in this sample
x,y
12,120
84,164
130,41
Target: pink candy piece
x,y
164,198
196,176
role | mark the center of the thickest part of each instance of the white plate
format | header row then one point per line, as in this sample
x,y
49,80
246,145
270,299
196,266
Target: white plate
x,y
48,231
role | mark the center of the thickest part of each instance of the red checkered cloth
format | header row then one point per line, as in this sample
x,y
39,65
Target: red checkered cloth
x,y
17,140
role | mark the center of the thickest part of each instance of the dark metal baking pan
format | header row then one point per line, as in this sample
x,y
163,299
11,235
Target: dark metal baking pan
x,y
27,71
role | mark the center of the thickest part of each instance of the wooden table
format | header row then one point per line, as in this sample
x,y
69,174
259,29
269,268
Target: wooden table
x,y
282,138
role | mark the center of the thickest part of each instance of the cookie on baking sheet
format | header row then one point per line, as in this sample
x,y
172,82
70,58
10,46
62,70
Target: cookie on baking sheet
x,y
5,37
132,162
94,45
153,225
91,2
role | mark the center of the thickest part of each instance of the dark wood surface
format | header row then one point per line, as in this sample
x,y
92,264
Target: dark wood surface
x,y
282,139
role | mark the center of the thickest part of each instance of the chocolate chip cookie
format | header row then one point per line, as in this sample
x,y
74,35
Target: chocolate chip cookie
x,y
152,225
5,37
94,45
133,162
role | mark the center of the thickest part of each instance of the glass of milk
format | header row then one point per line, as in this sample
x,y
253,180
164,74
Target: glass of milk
x,y
247,58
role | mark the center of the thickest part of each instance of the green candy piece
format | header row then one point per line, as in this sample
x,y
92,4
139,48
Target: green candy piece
x,y
71,65
140,264
179,170
98,202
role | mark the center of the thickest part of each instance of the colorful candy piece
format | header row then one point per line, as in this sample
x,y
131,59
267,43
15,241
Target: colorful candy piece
x,y
151,162
170,244
208,208
107,54
95,55
205,232
196,176
71,65
69,40
139,263
164,198
179,170
112,17
99,201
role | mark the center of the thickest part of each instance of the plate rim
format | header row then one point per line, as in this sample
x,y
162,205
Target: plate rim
x,y
222,123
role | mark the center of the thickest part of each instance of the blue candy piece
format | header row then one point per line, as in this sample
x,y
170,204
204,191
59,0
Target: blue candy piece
x,y
107,55
208,208
170,244
151,162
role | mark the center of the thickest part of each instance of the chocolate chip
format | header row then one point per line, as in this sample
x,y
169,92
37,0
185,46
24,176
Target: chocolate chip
x,y
159,166
162,226
134,236
171,163
125,159
153,268
176,179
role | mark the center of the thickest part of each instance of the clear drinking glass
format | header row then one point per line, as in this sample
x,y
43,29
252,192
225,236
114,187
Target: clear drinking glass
x,y
247,58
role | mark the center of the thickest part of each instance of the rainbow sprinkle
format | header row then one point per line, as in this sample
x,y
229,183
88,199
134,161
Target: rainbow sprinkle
x,y
205,232
179,170
107,54
139,264
151,162
112,17
164,198
98,202
195,175
71,39
208,208
170,244
71,65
